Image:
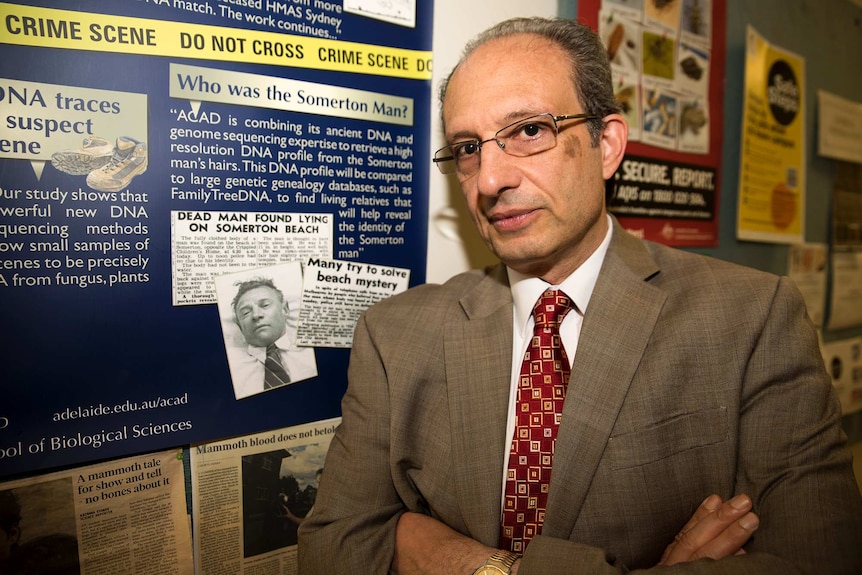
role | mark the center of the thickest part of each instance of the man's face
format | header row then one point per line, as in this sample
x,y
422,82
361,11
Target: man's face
x,y
260,314
542,215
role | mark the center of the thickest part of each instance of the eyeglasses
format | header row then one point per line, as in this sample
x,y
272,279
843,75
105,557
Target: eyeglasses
x,y
523,138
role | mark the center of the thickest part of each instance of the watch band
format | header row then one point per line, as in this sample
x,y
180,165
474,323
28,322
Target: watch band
x,y
500,562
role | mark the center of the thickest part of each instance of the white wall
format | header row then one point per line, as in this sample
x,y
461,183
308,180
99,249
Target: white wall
x,y
453,244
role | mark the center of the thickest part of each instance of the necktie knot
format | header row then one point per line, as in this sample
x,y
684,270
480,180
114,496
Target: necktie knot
x,y
551,308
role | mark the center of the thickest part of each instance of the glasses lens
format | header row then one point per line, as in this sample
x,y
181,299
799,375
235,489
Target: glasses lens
x,y
529,136
467,156
444,160
461,157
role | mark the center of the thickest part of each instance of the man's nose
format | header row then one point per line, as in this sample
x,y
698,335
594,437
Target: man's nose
x,y
497,170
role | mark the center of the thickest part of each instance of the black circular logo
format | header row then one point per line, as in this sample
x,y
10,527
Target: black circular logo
x,y
783,93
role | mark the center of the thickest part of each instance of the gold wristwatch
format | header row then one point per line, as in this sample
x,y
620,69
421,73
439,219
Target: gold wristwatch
x,y
500,563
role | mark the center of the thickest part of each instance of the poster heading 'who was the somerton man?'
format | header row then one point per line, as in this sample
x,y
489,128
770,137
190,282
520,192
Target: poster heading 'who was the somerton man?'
x,y
70,30
198,84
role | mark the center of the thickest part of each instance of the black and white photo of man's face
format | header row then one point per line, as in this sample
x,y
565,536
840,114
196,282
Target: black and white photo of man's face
x,y
261,316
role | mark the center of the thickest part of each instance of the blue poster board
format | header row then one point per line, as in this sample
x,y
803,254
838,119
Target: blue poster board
x,y
149,148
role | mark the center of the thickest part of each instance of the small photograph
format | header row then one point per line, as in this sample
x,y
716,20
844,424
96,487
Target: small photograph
x,y
693,125
622,39
631,9
660,118
401,12
631,4
278,491
37,530
659,50
664,13
259,312
696,23
693,70
110,166
627,92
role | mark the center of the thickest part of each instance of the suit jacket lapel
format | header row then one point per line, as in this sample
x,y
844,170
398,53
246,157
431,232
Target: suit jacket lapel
x,y
617,325
478,351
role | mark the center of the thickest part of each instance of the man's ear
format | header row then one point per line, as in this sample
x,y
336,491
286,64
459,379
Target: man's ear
x,y
613,143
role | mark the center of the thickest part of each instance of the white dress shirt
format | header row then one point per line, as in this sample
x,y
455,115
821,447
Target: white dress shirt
x,y
526,290
247,365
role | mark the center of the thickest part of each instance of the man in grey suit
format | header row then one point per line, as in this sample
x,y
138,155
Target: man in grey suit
x,y
699,429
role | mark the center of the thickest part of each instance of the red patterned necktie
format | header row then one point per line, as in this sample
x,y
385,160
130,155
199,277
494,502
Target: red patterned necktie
x,y
539,407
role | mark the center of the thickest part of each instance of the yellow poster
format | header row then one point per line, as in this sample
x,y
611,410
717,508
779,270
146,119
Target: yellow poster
x,y
772,164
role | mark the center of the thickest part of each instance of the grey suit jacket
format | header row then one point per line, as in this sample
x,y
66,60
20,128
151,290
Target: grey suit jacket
x,y
692,376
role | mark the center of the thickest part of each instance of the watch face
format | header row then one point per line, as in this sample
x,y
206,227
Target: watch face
x,y
488,570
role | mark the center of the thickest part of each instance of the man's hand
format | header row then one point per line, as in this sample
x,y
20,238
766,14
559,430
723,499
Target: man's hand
x,y
425,546
717,529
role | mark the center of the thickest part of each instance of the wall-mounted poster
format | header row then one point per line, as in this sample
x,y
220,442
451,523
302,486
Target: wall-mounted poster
x,y
771,199
151,149
667,61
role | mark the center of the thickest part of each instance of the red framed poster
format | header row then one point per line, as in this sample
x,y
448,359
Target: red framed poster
x,y
668,61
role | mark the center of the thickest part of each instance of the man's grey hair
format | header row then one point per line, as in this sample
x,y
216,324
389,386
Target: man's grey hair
x,y
251,284
590,68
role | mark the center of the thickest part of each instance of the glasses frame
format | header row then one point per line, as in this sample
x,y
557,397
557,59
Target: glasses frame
x,y
443,166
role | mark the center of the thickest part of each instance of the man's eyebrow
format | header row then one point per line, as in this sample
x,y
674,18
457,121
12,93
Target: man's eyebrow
x,y
521,114
511,117
462,137
259,300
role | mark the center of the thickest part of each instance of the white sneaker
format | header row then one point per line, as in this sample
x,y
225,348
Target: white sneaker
x,y
92,155
129,160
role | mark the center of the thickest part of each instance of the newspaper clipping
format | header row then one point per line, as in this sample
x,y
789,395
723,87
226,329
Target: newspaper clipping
x,y
251,493
334,295
207,244
125,516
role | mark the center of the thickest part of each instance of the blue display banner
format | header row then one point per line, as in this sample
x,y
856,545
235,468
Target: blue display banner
x,y
189,192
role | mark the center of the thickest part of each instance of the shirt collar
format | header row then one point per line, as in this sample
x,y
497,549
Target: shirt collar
x,y
578,286
283,343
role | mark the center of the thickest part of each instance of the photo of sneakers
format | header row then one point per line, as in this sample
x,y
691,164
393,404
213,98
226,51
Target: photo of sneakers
x,y
95,153
129,159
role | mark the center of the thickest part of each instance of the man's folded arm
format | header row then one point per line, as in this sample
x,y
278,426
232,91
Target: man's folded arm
x,y
425,546
792,456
